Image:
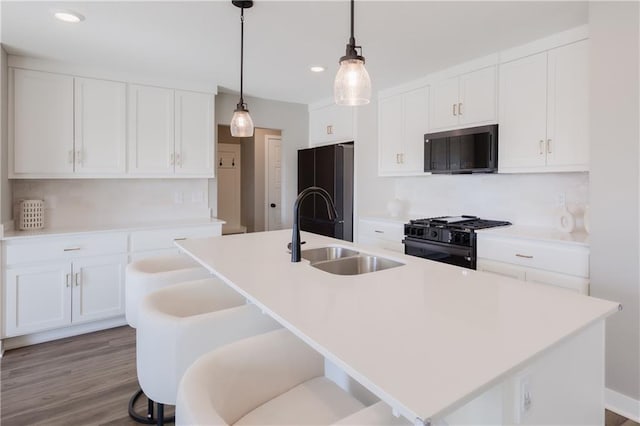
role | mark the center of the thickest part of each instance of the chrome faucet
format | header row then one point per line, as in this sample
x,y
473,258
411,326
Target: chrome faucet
x,y
331,211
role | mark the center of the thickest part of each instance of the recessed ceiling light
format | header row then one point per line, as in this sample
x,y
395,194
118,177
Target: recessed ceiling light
x,y
68,16
317,69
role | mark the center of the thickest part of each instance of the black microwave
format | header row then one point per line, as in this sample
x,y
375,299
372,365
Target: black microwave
x,y
471,150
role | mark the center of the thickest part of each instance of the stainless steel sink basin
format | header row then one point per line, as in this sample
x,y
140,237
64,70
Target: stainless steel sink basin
x,y
356,265
327,253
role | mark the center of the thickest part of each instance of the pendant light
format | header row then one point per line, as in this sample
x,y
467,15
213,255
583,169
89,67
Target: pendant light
x,y
352,85
241,123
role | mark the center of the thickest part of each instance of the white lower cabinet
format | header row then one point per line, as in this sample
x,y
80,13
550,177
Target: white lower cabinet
x,y
40,298
559,264
385,234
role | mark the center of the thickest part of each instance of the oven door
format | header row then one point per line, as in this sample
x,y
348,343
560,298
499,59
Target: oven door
x,y
440,252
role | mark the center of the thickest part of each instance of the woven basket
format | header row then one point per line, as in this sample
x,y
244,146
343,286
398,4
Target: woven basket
x,y
30,214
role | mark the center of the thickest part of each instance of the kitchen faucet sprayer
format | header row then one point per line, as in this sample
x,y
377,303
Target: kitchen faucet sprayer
x,y
331,211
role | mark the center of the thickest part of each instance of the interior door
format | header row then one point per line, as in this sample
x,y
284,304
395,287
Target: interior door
x,y
274,182
229,177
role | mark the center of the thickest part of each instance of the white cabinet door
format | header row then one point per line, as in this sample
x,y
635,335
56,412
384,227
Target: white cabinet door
x,y
568,107
478,97
98,288
416,120
523,113
37,298
332,123
100,132
41,123
151,130
443,110
194,143
390,134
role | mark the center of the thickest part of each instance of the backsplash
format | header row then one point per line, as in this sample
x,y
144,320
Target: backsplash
x,y
77,203
523,199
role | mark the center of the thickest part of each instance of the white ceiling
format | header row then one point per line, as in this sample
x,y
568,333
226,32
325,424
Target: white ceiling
x,y
200,41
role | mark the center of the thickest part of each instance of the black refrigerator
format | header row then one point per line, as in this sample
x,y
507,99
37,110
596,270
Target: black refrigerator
x,y
331,168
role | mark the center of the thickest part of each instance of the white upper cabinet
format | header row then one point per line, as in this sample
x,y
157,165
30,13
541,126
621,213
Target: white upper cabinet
x,y
194,141
331,124
61,126
170,132
40,124
464,101
402,123
151,130
523,118
544,111
100,127
568,106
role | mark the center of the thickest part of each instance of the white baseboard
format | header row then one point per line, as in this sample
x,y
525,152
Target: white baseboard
x,y
61,333
622,404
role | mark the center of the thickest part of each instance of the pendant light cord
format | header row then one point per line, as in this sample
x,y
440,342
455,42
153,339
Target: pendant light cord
x,y
241,52
352,40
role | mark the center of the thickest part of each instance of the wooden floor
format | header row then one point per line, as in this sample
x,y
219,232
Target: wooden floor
x,y
84,380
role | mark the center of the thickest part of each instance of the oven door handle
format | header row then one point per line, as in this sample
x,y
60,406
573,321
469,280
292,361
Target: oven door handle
x,y
443,247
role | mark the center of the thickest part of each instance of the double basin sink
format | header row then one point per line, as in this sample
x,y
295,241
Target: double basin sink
x,y
344,261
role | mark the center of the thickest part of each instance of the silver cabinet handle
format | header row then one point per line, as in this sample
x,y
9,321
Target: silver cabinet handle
x,y
330,129
72,249
180,239
178,160
378,232
541,147
173,159
77,279
460,108
79,157
70,159
548,146
454,109
526,256
68,280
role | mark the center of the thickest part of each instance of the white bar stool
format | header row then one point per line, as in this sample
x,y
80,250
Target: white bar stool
x,y
145,276
179,323
270,379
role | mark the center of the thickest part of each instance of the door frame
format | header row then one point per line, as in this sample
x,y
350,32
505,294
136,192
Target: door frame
x,y
267,140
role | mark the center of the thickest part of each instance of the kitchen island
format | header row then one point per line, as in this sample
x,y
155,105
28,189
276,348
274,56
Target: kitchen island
x,y
429,338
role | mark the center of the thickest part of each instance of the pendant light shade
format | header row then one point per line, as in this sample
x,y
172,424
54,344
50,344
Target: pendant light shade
x,y
352,85
241,122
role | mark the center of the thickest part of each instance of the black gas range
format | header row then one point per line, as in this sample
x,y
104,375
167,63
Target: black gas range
x,y
448,239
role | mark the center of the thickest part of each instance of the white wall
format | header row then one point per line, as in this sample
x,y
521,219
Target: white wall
x,y
524,199
77,203
292,119
615,137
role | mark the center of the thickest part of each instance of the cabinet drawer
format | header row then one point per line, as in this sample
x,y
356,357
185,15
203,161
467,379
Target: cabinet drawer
x,y
159,239
383,230
46,249
571,260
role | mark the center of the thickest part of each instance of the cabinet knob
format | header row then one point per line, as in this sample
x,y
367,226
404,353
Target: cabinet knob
x,y
330,129
273,205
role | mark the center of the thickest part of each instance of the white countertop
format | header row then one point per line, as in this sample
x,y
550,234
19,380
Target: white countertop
x,y
123,227
424,337
539,234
